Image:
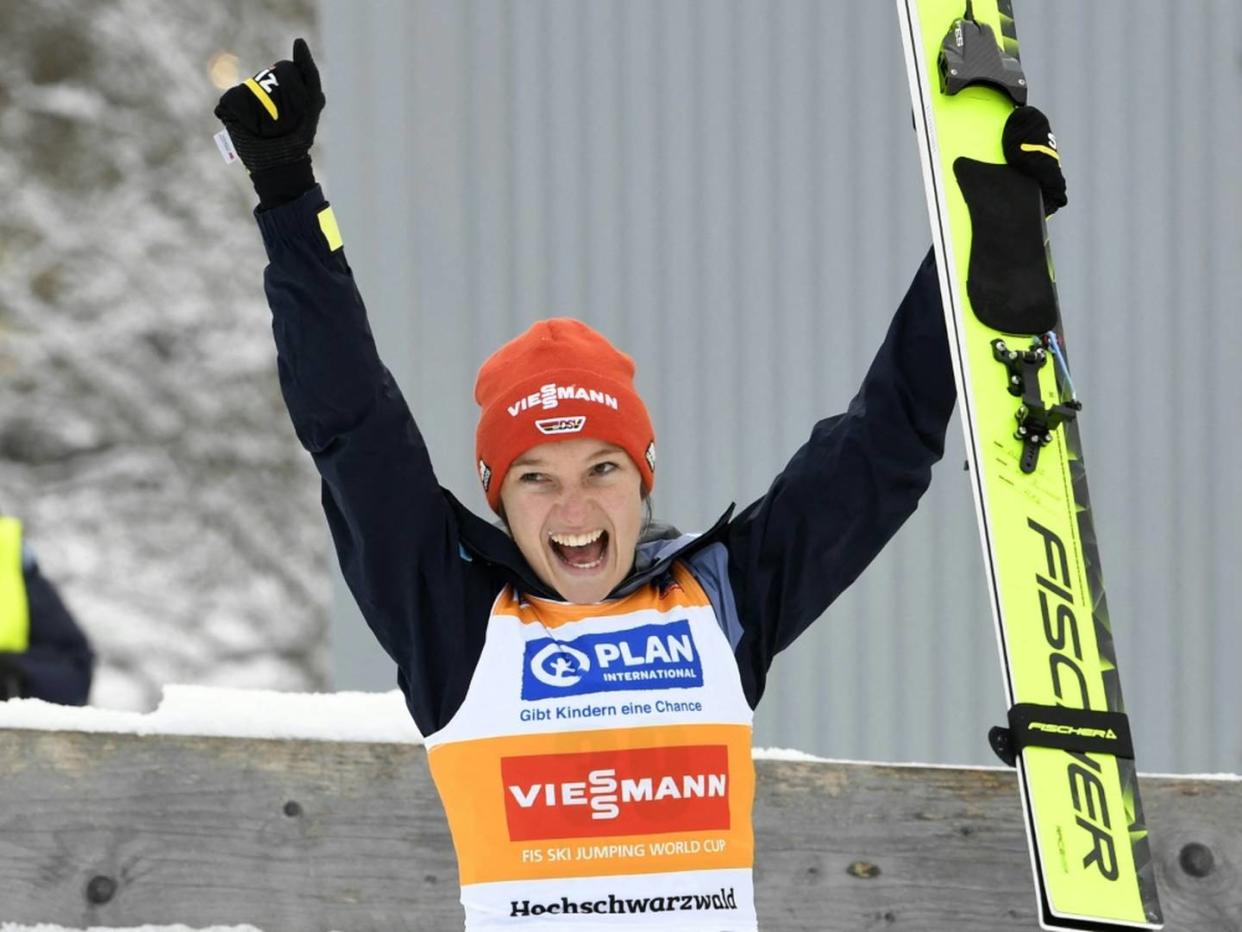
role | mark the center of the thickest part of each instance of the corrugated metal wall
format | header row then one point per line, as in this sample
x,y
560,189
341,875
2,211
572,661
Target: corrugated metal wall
x,y
730,191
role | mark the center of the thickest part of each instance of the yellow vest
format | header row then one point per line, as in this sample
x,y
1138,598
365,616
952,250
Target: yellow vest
x,y
14,609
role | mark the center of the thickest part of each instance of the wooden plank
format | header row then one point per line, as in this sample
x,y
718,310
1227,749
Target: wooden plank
x,y
310,836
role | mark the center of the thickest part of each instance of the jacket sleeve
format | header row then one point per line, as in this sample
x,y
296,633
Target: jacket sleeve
x,y
847,490
58,665
396,536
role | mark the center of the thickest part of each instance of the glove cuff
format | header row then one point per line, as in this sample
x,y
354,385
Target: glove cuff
x,y
283,183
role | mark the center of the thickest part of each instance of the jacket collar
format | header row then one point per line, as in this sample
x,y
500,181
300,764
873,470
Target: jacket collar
x,y
655,556
485,541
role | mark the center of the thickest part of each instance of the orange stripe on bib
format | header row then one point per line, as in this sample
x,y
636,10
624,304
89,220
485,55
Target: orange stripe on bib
x,y
593,803
683,592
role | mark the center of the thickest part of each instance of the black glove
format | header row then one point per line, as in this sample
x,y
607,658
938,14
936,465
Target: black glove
x,y
1030,147
272,119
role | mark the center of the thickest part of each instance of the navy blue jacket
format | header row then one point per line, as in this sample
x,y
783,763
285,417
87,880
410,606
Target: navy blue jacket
x,y
425,570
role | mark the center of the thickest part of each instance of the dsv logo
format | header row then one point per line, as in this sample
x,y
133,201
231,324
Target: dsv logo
x,y
559,665
561,425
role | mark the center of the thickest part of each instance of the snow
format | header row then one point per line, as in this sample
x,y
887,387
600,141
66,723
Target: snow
x,y
792,754
784,754
14,927
143,440
1235,777
240,713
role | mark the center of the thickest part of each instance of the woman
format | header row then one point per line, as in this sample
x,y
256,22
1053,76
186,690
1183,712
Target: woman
x,y
585,682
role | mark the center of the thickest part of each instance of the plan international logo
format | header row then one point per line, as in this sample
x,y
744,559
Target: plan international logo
x,y
649,657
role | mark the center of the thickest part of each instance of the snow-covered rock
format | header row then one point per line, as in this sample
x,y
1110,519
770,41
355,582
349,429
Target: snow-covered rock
x,y
142,436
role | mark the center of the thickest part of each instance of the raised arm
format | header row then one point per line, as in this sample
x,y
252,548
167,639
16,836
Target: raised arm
x,y
396,534
847,489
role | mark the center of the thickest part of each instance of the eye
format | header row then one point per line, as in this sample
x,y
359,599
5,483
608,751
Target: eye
x,y
532,478
604,468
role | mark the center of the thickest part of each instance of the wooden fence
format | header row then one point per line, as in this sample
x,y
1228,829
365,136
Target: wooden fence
x,y
312,836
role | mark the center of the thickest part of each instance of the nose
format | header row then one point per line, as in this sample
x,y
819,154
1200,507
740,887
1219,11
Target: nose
x,y
574,505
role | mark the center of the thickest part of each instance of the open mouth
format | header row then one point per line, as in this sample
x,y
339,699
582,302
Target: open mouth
x,y
580,551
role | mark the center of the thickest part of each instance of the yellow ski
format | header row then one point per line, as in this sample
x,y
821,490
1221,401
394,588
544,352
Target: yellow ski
x,y
1067,735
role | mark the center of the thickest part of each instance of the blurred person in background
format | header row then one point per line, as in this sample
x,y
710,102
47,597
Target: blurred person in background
x,y
43,652
584,679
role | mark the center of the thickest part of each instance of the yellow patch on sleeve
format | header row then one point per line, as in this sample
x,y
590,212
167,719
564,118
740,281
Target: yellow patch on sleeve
x,y
14,608
331,232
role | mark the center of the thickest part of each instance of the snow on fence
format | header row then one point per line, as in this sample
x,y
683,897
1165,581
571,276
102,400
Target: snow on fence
x,y
310,834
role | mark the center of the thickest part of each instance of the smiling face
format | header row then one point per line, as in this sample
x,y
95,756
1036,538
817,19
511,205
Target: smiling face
x,y
574,508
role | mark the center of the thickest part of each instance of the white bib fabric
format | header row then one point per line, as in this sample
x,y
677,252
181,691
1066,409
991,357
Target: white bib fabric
x,y
598,775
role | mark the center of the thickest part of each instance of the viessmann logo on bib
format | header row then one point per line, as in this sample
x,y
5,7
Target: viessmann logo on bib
x,y
650,657
628,792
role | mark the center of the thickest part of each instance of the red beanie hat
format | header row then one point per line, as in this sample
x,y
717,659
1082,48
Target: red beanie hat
x,y
560,380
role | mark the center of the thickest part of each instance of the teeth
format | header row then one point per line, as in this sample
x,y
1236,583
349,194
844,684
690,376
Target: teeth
x,y
576,540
